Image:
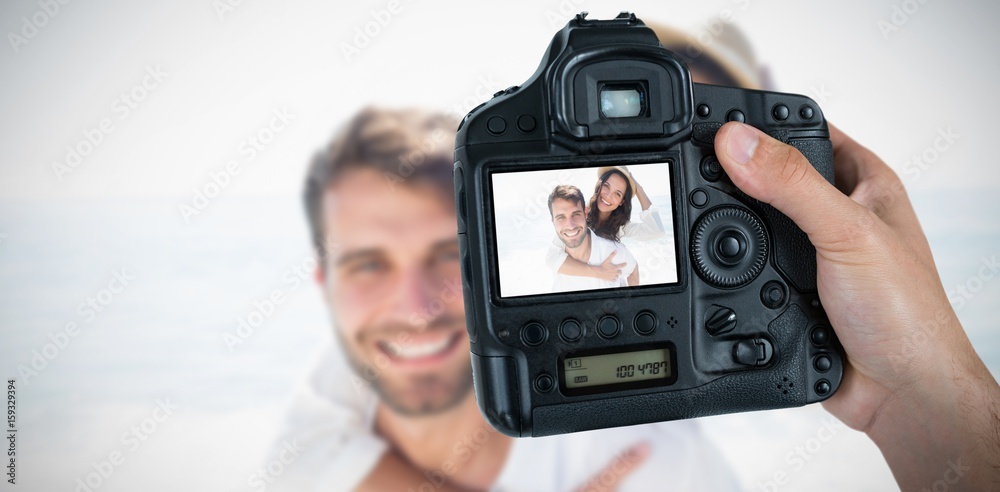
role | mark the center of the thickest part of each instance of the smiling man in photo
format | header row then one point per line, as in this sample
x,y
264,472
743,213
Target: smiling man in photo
x,y
566,207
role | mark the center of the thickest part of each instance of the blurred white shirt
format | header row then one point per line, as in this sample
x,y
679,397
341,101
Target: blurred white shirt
x,y
330,429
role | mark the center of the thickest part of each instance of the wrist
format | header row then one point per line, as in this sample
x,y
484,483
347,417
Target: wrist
x,y
942,425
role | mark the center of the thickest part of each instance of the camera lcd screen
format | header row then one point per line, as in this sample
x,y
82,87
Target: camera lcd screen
x,y
579,229
611,369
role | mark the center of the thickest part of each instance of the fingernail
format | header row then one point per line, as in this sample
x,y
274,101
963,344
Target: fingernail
x,y
742,143
639,451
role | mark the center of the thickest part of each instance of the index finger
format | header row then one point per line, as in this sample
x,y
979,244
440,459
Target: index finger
x,y
869,181
611,476
851,160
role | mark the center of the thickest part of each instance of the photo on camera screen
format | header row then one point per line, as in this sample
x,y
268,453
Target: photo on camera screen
x,y
596,234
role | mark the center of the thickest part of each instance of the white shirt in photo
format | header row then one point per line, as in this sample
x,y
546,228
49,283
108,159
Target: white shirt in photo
x,y
600,248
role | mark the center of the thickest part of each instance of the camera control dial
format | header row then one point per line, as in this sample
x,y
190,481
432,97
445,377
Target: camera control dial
x,y
728,247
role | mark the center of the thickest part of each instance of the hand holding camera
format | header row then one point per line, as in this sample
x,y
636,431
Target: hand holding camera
x,y
718,312
910,360
753,207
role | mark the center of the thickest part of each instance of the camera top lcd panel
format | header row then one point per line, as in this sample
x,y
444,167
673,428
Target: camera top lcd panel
x,y
612,273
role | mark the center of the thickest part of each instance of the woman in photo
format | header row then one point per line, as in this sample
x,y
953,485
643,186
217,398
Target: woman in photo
x,y
609,213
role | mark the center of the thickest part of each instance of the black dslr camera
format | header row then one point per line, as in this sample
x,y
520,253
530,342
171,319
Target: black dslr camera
x,y
613,275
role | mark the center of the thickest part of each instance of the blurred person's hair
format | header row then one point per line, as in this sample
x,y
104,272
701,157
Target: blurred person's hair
x,y
725,58
569,193
409,147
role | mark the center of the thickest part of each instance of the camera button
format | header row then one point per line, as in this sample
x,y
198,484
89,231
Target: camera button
x,y
571,330
496,125
699,198
822,363
644,323
608,327
710,168
459,178
819,336
533,334
773,294
704,110
544,383
730,245
823,387
526,123
806,112
719,320
780,112
703,134
736,115
753,352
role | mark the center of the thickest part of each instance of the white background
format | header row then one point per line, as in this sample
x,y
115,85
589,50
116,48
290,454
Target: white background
x,y
163,337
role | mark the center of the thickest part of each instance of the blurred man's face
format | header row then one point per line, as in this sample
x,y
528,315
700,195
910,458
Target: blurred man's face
x,y
569,221
393,283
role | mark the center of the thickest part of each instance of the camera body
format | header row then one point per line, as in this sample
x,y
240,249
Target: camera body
x,y
719,312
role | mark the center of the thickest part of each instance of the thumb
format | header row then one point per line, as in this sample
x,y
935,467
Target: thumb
x,y
781,176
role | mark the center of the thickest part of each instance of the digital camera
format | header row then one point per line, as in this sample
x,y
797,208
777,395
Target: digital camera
x,y
613,274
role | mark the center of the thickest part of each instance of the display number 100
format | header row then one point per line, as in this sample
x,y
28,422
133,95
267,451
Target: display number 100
x,y
628,370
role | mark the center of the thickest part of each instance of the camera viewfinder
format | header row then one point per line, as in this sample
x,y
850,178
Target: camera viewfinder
x,y
623,101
